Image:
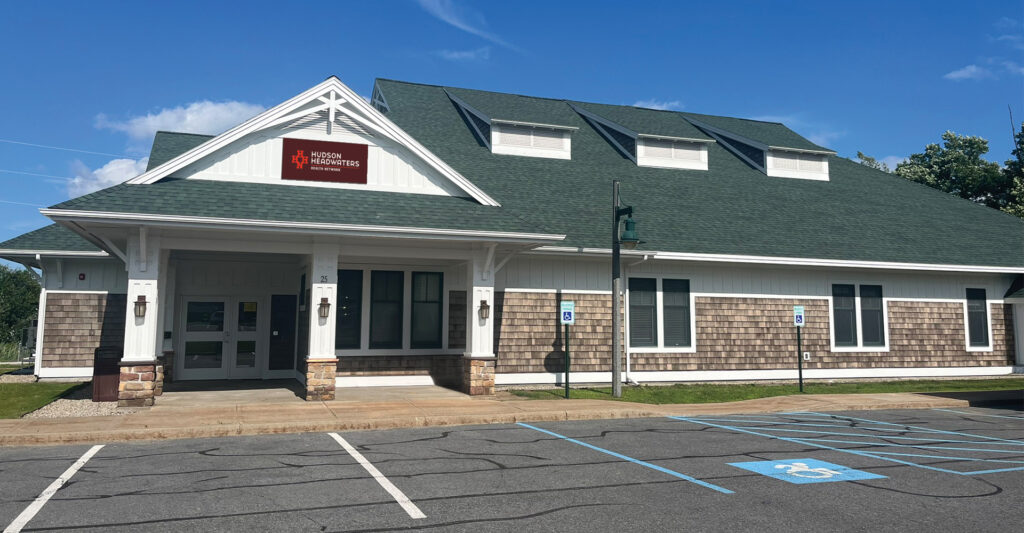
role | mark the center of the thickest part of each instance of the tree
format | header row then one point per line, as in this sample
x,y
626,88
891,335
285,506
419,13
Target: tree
x,y
19,301
1014,174
871,162
956,167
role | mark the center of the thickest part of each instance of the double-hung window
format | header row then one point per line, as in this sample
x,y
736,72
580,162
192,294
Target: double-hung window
x,y
858,317
349,317
386,290
977,319
426,310
660,316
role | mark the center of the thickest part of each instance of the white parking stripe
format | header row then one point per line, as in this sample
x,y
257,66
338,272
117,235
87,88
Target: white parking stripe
x,y
398,495
30,512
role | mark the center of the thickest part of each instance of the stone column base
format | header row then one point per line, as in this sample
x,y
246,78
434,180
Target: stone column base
x,y
320,374
138,383
478,376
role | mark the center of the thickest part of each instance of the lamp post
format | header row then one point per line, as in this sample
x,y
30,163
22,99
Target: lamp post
x,y
629,240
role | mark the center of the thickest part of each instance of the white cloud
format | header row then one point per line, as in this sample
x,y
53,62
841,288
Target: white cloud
x,y
970,72
204,117
480,54
818,133
467,20
116,171
892,160
1013,67
1006,23
654,103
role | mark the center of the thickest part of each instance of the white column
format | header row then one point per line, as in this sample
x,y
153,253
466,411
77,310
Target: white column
x,y
324,279
161,311
480,288
141,334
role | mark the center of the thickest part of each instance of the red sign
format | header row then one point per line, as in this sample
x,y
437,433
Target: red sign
x,y
323,161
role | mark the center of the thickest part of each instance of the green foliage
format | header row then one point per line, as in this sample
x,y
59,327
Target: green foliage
x,y
19,302
871,162
1014,173
714,393
956,167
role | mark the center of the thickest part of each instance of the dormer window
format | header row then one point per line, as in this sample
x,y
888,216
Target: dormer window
x,y
802,165
671,153
532,140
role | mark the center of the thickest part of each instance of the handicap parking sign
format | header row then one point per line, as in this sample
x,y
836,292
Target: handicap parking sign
x,y
568,312
802,471
798,316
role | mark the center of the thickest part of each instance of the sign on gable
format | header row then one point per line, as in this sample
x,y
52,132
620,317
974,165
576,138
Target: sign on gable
x,y
307,160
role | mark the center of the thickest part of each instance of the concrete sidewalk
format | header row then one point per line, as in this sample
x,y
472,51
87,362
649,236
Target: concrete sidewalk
x,y
190,420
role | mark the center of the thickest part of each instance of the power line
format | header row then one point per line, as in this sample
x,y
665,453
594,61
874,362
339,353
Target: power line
x,y
20,203
64,178
60,148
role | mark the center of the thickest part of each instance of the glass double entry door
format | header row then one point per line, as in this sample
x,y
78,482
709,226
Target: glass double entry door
x,y
222,338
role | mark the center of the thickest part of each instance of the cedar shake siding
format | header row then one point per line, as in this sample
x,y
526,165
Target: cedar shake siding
x,y
78,323
758,334
528,334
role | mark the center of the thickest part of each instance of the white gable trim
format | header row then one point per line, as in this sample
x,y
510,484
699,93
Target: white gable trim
x,y
325,95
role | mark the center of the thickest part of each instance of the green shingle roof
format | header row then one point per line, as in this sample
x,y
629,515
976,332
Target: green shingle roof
x,y
49,238
286,203
168,145
769,133
646,121
860,214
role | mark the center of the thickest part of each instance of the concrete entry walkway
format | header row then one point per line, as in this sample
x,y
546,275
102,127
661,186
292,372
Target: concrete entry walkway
x,y
224,393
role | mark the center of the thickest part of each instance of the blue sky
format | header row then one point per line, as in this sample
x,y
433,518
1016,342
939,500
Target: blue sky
x,y
885,78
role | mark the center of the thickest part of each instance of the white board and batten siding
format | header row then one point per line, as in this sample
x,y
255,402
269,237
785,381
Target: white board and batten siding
x,y
85,275
256,158
551,273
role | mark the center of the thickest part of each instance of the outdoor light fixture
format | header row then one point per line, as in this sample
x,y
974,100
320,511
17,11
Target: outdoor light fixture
x,y
485,310
140,307
629,238
325,308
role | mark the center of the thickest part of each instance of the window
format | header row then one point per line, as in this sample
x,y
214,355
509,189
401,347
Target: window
x,y
977,318
844,315
349,318
643,319
659,314
858,317
676,311
386,290
426,309
872,318
531,140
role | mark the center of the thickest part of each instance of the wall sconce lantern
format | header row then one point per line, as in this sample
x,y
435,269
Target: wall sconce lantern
x,y
485,310
140,307
325,308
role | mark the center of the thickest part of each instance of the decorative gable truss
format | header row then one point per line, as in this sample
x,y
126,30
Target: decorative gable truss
x,y
341,112
774,161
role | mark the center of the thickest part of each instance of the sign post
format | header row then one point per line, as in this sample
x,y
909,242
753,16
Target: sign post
x,y
567,315
798,321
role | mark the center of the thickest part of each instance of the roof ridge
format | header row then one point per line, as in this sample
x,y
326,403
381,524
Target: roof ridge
x,y
185,133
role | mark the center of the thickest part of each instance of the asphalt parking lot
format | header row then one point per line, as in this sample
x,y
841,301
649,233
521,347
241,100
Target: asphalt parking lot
x,y
911,470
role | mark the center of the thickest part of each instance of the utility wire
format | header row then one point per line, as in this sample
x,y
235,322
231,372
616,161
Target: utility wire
x,y
60,148
64,178
20,203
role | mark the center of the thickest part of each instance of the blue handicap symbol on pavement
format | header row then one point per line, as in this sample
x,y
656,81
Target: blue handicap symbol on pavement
x,y
802,471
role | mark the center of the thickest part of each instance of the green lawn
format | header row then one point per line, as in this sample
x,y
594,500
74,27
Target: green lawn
x,y
17,399
705,393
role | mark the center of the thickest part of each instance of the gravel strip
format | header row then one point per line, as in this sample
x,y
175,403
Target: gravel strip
x,y
79,403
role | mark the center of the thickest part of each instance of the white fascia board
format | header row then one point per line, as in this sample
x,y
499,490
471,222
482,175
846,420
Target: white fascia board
x,y
284,226
271,116
671,138
793,261
801,150
51,253
532,124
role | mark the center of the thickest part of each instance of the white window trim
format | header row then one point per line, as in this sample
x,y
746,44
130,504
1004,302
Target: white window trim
x,y
988,322
529,151
406,349
660,318
859,348
770,169
644,160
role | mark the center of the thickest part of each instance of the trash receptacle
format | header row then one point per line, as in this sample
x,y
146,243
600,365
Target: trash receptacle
x,y
106,373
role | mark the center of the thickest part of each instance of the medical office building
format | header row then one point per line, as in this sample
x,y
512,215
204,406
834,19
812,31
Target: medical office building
x,y
428,236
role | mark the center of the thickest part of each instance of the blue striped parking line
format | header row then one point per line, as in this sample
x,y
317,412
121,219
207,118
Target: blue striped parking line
x,y
882,456
1021,418
918,428
890,437
630,459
